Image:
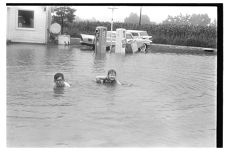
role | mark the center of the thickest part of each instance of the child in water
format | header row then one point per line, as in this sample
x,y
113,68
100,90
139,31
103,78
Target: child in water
x,y
59,81
109,79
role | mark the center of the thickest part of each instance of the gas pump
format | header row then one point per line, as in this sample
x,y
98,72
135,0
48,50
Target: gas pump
x,y
100,39
120,40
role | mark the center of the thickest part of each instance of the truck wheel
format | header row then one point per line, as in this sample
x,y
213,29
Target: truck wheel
x,y
107,48
143,48
93,47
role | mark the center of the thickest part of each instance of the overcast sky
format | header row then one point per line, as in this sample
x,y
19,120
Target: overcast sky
x,y
156,13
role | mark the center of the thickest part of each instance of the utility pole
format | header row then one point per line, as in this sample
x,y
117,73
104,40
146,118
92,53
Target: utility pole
x,y
140,16
112,8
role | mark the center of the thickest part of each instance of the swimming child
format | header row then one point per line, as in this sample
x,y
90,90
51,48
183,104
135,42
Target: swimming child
x,y
109,79
59,81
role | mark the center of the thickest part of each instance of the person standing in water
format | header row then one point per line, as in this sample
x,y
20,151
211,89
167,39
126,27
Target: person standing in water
x,y
109,79
60,81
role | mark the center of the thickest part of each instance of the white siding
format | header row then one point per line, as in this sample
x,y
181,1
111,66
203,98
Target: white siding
x,y
33,35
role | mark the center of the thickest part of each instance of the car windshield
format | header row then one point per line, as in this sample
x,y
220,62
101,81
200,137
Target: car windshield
x,y
144,33
134,34
129,36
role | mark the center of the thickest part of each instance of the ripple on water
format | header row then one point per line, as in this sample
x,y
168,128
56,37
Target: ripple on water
x,y
168,100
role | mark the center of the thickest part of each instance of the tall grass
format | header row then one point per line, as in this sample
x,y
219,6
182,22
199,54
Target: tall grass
x,y
186,35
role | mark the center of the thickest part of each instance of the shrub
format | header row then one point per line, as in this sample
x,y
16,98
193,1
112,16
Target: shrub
x,y
162,33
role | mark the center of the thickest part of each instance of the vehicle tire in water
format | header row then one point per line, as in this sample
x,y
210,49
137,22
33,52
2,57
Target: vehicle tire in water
x,y
107,48
93,47
143,48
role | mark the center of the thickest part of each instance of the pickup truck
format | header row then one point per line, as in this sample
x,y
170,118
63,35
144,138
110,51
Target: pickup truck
x,y
143,39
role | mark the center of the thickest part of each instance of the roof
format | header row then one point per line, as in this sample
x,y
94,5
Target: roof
x,y
135,30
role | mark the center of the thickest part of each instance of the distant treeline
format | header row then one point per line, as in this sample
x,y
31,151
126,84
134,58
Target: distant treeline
x,y
187,35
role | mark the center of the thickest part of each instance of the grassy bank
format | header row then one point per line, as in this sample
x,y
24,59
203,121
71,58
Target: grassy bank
x,y
161,48
186,35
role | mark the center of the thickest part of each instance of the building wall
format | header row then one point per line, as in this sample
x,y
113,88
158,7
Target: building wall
x,y
38,34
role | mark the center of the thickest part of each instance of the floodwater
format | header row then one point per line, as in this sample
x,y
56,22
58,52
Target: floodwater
x,y
168,100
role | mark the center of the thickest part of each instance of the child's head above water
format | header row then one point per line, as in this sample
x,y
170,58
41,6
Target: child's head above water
x,y
58,77
111,74
109,79
59,80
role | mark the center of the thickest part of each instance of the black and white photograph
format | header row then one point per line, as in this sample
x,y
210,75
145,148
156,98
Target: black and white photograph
x,y
112,75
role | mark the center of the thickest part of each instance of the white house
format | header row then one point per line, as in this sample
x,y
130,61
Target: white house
x,y
28,23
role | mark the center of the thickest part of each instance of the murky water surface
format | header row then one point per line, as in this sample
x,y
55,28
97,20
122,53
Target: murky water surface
x,y
171,101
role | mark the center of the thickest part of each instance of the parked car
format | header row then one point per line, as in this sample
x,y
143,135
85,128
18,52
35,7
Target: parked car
x,y
88,40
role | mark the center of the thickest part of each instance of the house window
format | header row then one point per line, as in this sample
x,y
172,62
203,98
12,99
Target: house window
x,y
25,19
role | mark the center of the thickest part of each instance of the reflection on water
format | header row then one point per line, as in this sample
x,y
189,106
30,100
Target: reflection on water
x,y
99,62
100,57
58,92
168,100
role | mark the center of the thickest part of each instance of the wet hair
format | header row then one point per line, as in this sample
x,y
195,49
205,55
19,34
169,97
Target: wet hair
x,y
111,71
57,75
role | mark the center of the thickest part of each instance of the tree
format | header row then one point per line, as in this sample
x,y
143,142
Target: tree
x,y
145,19
78,19
213,23
200,19
63,15
179,20
134,18
194,19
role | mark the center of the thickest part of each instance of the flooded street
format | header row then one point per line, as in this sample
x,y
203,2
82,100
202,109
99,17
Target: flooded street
x,y
170,102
